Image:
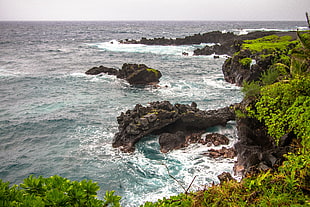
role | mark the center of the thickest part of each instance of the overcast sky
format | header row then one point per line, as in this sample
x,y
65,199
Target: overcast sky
x,y
154,9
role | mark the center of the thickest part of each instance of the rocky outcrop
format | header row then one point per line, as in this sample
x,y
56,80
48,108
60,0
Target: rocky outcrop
x,y
228,43
139,74
210,37
135,74
101,69
229,46
249,64
223,153
173,122
255,149
226,48
236,71
225,177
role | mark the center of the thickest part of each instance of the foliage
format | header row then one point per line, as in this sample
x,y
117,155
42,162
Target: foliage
x,y
184,200
281,100
300,60
269,44
285,107
246,62
251,89
54,191
264,189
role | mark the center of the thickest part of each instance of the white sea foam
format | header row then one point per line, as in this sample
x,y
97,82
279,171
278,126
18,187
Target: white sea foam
x,y
115,46
246,31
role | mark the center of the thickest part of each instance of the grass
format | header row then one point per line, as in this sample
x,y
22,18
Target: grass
x,y
269,44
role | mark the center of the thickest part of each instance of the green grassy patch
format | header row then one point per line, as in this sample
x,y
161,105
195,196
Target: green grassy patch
x,y
245,62
269,44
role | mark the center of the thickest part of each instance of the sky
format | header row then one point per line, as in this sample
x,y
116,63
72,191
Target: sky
x,y
200,10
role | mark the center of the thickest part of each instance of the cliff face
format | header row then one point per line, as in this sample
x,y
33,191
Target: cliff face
x,y
255,57
276,103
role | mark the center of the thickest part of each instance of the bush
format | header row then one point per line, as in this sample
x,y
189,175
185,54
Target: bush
x,y
251,89
285,107
245,62
54,191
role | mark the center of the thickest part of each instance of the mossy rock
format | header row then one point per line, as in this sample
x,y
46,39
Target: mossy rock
x,y
246,62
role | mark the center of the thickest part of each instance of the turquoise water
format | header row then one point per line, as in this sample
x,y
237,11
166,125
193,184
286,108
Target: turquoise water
x,y
56,120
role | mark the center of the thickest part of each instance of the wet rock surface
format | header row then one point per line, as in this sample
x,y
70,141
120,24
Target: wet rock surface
x,y
101,69
223,153
209,37
225,177
228,43
255,149
135,74
177,123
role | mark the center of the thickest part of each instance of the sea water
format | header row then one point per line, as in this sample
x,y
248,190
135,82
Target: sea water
x,y
54,119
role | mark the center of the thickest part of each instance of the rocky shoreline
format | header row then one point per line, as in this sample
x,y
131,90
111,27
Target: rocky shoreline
x,y
179,125
225,43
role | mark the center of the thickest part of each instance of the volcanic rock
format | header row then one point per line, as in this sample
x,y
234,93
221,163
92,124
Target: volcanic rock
x,y
169,141
163,117
225,177
135,74
224,153
255,149
139,74
101,69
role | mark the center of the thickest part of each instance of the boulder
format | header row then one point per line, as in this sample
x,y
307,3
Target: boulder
x,y
216,139
139,74
225,177
163,117
101,69
135,74
224,153
169,141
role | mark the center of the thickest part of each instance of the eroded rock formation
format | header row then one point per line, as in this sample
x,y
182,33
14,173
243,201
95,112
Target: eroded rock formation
x,y
135,74
173,122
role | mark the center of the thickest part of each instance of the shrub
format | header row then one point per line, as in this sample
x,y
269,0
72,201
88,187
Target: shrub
x,y
251,89
54,191
245,62
285,106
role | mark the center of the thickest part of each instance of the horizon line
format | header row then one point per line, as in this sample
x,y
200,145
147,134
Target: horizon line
x,y
131,20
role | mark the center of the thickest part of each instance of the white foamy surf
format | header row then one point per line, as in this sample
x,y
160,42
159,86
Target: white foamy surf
x,y
115,46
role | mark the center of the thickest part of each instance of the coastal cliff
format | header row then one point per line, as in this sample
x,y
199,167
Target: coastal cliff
x,y
273,128
273,148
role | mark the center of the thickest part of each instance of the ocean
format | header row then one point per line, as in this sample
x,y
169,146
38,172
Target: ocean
x,y
54,119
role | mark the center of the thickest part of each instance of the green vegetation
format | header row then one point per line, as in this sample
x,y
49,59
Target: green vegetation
x,y
285,107
246,62
269,44
54,191
280,100
156,72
